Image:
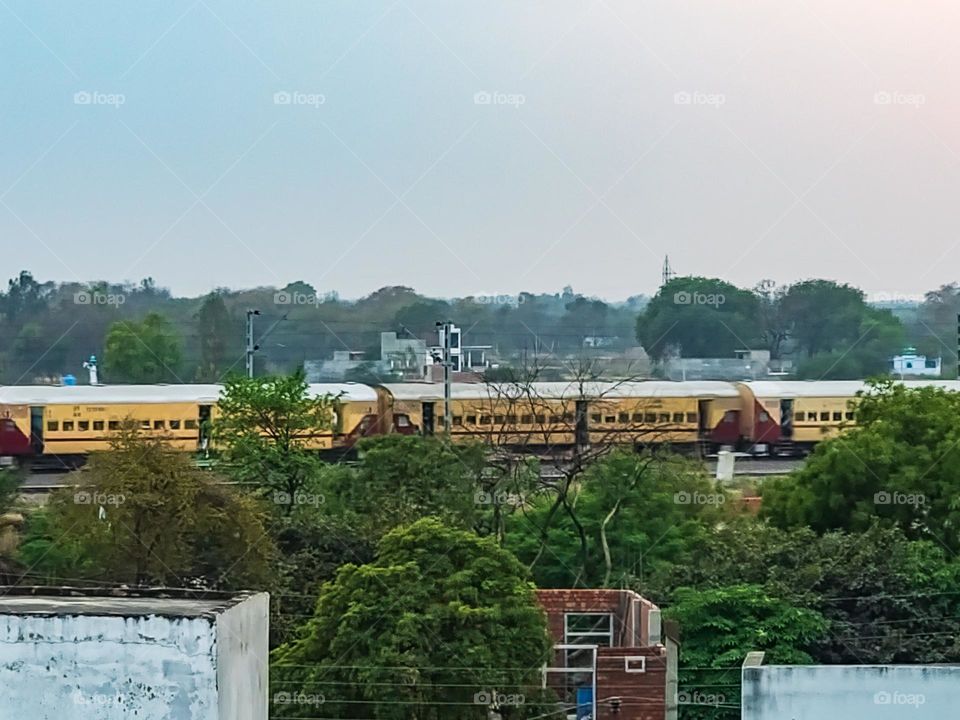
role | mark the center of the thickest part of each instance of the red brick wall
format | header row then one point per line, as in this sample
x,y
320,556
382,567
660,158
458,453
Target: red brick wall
x,y
642,695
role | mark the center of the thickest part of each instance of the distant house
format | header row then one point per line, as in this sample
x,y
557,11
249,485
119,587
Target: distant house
x,y
909,363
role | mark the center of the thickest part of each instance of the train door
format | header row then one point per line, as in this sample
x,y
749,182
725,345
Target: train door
x,y
36,429
428,418
204,425
786,419
703,418
582,431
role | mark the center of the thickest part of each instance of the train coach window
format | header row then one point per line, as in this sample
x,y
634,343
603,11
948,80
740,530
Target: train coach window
x,y
664,417
174,424
484,419
526,419
83,425
190,424
638,417
611,419
144,424
68,425
53,426
511,419
650,418
471,419
799,416
595,418
541,419
691,417
498,419
824,416
554,419
624,418
457,420
114,425
849,416
98,424
838,416
678,417
158,424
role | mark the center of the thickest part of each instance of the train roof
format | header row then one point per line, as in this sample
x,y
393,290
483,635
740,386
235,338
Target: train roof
x,y
153,394
831,388
564,390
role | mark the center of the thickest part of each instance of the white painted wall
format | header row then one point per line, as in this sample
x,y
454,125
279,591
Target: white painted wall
x,y
86,667
850,692
242,659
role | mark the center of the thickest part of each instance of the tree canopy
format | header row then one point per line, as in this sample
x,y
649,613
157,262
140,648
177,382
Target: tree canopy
x,y
436,625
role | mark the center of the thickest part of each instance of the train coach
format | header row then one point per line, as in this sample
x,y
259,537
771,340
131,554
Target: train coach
x,y
789,417
63,424
544,415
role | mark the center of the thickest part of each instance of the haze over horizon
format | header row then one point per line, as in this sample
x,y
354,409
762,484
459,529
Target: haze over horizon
x,y
481,149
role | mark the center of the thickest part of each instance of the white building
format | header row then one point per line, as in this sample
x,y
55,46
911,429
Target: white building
x,y
76,654
909,363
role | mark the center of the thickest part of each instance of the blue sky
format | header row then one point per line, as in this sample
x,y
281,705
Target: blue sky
x,y
465,148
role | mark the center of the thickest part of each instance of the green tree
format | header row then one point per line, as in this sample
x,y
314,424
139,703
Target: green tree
x,y
439,619
700,317
402,478
144,352
720,626
215,326
625,515
879,590
141,513
268,430
898,466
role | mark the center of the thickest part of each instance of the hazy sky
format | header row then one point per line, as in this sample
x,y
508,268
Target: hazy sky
x,y
350,144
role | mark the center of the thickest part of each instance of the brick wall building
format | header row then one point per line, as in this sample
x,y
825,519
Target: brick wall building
x,y
613,660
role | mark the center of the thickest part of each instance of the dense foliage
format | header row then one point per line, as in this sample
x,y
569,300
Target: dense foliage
x,y
143,514
437,623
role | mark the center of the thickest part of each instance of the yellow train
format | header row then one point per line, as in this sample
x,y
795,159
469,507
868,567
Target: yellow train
x,y
66,423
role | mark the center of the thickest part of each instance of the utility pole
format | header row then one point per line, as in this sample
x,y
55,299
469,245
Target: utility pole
x,y
444,330
251,346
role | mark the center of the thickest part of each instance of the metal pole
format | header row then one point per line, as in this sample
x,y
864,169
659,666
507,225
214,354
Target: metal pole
x,y
446,378
251,346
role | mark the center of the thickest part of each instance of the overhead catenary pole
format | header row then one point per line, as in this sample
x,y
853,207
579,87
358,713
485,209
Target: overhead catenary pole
x,y
446,377
443,332
251,345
